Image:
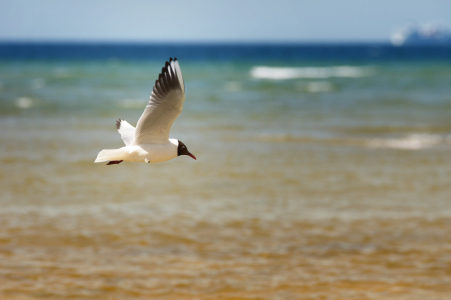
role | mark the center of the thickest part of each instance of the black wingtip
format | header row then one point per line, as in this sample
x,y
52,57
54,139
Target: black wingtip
x,y
167,79
118,124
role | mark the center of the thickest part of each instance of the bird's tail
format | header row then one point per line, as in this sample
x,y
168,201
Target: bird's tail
x,y
109,154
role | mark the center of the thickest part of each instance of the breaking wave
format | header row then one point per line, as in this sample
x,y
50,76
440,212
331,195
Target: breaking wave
x,y
410,142
283,73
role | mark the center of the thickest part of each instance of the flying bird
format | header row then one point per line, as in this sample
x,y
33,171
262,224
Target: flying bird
x,y
149,142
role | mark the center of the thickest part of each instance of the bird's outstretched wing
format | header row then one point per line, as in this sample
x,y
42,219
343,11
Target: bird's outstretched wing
x,y
165,105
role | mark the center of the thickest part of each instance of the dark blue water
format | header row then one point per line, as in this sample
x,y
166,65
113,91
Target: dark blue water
x,y
255,52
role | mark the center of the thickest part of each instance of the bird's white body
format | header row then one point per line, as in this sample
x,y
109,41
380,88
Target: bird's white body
x,y
149,153
149,142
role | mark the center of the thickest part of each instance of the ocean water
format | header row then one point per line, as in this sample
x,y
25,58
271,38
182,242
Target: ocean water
x,y
322,172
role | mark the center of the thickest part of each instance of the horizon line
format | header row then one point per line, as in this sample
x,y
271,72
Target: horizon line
x,y
193,42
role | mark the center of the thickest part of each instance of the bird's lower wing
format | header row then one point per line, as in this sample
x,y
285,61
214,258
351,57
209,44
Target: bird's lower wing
x,y
126,131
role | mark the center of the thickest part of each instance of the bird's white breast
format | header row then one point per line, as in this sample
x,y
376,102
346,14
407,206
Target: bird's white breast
x,y
152,152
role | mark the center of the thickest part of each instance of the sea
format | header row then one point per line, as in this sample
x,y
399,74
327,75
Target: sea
x,y
323,171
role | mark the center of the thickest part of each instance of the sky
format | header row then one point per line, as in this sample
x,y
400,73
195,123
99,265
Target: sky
x,y
214,20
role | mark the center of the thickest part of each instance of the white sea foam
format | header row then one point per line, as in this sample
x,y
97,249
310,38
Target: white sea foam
x,y
410,142
283,73
24,102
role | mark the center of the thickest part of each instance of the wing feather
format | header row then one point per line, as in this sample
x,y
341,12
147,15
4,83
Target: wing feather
x,y
126,131
165,105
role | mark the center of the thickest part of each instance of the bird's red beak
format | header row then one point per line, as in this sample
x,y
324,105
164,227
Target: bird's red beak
x,y
192,156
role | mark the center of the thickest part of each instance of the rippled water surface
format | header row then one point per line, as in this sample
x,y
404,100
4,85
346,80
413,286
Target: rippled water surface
x,y
314,180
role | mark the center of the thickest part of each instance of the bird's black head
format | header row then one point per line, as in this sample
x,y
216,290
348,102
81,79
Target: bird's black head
x,y
182,150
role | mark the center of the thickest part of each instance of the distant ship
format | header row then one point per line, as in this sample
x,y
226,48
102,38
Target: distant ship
x,y
419,35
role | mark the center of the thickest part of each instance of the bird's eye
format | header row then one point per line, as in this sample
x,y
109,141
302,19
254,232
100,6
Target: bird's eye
x,y
183,147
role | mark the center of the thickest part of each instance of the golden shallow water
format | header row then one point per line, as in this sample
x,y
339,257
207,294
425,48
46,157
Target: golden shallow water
x,y
252,218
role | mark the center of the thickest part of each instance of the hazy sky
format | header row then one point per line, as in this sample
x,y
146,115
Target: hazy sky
x,y
214,20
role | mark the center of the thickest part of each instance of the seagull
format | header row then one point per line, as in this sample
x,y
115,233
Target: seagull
x,y
149,142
